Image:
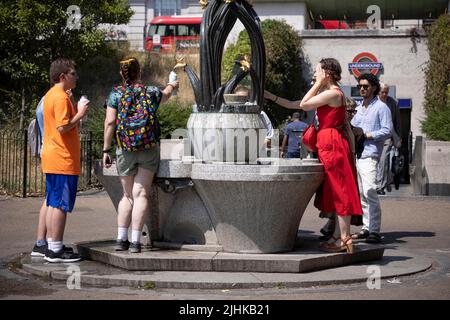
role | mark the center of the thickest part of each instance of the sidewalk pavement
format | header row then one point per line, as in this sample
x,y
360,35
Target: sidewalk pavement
x,y
414,223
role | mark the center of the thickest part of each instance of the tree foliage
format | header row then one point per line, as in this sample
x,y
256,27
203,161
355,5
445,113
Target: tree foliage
x,y
284,58
34,33
437,104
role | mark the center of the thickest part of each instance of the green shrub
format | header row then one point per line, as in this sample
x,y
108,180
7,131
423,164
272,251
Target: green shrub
x,y
437,107
284,63
233,52
437,124
173,115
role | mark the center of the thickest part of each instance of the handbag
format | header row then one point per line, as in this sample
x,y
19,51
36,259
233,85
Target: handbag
x,y
309,139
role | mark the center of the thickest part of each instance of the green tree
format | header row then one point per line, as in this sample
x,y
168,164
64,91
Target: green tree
x,y
284,58
36,33
437,99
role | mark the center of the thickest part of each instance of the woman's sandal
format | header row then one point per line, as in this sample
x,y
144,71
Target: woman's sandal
x,y
325,244
345,246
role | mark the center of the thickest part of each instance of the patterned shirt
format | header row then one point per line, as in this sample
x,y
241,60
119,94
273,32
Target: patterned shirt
x,y
113,100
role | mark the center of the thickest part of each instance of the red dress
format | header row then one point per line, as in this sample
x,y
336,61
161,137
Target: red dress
x,y
339,192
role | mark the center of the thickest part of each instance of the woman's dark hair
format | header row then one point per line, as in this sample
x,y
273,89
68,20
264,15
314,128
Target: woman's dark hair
x,y
61,65
373,80
332,67
130,69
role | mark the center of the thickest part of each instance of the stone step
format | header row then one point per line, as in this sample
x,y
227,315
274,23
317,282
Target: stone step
x,y
395,263
157,259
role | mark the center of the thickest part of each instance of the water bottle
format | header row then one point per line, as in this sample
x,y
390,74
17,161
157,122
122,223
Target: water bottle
x,y
173,77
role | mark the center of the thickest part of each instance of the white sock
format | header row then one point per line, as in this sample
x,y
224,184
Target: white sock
x,y
55,246
136,236
122,233
50,244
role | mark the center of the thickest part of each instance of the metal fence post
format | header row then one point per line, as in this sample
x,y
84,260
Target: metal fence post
x,y
25,156
89,157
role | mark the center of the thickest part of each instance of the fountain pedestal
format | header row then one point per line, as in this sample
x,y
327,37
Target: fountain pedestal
x,y
256,208
226,137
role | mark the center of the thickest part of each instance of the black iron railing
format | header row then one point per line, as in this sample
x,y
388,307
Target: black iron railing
x,y
20,171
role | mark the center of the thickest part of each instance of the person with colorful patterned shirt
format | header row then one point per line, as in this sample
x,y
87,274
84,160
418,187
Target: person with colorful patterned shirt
x,y
131,117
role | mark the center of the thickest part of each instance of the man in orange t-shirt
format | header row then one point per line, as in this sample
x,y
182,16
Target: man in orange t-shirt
x,y
61,156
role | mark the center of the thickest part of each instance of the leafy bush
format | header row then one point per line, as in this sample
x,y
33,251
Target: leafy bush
x,y
173,115
437,106
284,63
233,52
437,124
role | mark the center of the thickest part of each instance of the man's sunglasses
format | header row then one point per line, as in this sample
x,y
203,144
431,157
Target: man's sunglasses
x,y
364,86
351,111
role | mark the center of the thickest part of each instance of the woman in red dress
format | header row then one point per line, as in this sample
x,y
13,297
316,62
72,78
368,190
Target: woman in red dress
x,y
339,192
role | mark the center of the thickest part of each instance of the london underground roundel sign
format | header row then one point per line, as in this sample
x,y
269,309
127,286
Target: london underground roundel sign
x,y
365,62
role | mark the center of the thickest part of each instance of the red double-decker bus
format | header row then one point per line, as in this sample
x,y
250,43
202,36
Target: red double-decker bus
x,y
167,34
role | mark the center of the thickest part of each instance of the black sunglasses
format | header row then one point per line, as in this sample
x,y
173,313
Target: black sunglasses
x,y
365,86
351,111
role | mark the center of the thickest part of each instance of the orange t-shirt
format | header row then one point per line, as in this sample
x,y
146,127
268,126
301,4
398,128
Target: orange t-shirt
x,y
60,152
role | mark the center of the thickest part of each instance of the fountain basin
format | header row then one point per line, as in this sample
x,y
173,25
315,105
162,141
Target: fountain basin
x,y
257,208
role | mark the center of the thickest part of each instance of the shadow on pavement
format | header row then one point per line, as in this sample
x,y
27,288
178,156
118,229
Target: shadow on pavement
x,y
389,259
394,237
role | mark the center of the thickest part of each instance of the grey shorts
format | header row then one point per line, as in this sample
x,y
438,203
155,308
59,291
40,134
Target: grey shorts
x,y
129,162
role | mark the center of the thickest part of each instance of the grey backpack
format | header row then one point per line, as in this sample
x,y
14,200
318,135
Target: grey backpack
x,y
35,131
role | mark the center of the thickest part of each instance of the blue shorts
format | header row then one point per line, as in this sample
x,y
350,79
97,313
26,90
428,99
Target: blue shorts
x,y
61,191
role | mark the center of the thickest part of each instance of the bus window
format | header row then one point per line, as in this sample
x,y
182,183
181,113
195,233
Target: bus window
x,y
194,29
170,30
183,30
152,30
157,29
165,34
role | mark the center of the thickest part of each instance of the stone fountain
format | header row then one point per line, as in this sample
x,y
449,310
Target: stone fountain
x,y
255,204
217,189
